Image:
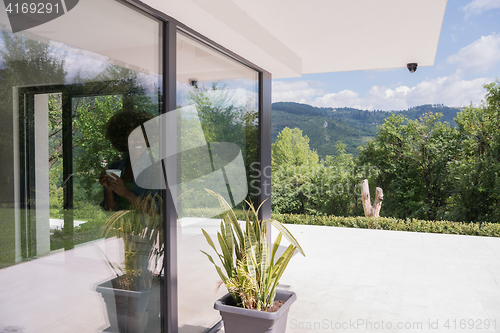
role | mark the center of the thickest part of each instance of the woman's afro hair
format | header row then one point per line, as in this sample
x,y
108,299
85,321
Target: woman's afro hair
x,y
121,124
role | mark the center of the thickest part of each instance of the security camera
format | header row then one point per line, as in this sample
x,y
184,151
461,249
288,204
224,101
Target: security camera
x,y
193,83
412,67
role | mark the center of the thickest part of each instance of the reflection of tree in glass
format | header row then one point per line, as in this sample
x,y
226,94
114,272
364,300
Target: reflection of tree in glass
x,y
27,62
226,117
90,115
22,62
221,114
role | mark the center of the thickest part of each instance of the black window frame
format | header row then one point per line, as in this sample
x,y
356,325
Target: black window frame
x,y
26,98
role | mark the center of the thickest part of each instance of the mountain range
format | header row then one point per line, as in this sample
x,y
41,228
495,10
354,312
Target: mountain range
x,y
354,127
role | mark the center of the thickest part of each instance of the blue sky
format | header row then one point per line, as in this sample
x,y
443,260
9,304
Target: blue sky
x,y
468,56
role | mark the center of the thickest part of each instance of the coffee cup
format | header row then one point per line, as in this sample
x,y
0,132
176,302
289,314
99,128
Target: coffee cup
x,y
117,172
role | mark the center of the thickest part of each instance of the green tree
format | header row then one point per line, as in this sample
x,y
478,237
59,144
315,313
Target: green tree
x,y
476,169
290,189
292,162
337,185
292,149
412,158
330,187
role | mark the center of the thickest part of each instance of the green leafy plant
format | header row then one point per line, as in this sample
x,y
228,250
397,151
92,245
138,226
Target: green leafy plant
x,y
142,234
389,223
250,272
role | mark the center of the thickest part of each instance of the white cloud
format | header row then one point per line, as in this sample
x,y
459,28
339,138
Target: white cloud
x,y
296,91
377,98
480,56
450,90
342,98
86,63
479,6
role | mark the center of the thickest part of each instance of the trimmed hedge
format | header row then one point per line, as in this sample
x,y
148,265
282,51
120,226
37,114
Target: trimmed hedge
x,y
388,223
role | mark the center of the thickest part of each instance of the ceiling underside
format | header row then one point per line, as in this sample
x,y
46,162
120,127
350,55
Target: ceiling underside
x,y
294,37
285,37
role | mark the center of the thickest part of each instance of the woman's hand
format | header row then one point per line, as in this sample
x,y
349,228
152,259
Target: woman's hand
x,y
103,179
109,200
117,185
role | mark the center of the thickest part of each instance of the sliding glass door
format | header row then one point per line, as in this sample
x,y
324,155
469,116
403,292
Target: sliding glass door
x,y
218,112
71,92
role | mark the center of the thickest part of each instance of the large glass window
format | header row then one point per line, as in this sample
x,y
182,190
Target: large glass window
x,y
80,249
217,112
81,241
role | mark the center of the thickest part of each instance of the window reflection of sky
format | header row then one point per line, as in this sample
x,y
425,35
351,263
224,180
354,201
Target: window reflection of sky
x,y
87,66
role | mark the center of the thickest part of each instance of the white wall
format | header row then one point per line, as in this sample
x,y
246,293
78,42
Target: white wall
x,y
42,173
17,190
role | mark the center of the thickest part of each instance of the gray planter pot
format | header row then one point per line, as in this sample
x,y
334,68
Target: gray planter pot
x,y
240,320
127,310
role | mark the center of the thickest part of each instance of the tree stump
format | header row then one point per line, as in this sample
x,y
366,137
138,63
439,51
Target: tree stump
x,y
371,210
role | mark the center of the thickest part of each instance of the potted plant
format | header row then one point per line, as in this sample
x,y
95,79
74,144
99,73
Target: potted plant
x,y
251,272
127,295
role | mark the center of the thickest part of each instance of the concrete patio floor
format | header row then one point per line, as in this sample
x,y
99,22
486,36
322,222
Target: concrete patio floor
x,y
352,280
357,280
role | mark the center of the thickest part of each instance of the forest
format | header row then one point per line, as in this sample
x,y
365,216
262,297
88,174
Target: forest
x,y
353,127
429,169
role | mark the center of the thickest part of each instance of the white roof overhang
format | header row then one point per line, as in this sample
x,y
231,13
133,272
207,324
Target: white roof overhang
x,y
294,37
285,37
